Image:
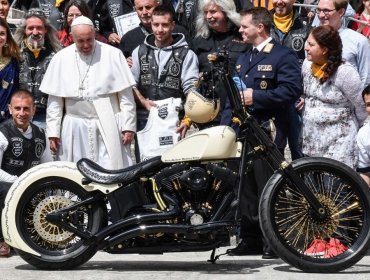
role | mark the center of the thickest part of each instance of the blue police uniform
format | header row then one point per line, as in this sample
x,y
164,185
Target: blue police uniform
x,y
274,75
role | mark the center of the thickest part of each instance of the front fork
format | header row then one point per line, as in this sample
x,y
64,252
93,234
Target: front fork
x,y
256,144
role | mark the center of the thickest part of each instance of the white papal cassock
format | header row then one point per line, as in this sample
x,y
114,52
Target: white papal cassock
x,y
90,104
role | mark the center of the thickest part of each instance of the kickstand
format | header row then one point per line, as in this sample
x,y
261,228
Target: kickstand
x,y
214,258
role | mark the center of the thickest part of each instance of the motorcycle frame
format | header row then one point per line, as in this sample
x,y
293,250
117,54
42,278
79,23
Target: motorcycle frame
x,y
255,144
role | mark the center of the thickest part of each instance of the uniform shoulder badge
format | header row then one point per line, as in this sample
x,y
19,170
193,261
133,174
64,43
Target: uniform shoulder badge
x,y
268,48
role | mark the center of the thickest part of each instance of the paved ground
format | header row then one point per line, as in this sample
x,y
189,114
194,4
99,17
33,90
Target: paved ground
x,y
175,266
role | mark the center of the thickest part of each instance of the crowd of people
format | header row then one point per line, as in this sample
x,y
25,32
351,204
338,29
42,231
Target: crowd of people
x,y
84,78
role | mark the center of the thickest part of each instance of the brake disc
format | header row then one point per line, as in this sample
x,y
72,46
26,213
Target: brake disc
x,y
46,230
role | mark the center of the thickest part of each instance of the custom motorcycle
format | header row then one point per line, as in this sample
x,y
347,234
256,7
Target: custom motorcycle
x,y
58,215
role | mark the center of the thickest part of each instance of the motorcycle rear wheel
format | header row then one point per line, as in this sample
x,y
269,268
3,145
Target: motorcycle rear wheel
x,y
59,248
303,239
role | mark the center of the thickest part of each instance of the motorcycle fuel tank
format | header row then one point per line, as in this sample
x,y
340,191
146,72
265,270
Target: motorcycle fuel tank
x,y
215,143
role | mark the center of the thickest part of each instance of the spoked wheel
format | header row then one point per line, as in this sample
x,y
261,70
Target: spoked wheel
x,y
59,248
300,236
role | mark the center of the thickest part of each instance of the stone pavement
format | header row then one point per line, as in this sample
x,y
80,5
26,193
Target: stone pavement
x,y
173,266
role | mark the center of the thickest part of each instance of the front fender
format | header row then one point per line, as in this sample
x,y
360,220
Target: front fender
x,y
62,169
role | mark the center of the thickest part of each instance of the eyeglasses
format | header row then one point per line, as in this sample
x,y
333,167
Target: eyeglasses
x,y
325,11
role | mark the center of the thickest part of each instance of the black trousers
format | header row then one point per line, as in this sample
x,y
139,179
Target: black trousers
x,y
4,188
256,178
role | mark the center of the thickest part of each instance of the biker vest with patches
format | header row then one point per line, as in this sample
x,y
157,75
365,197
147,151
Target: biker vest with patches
x,y
296,37
21,153
31,73
169,82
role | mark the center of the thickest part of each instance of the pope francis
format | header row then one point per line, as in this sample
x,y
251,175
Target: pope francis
x,y
91,111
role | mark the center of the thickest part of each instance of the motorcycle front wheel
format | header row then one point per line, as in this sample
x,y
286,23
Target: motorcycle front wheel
x,y
300,236
58,248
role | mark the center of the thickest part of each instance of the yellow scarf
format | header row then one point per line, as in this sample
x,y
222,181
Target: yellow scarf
x,y
284,23
36,52
318,70
58,2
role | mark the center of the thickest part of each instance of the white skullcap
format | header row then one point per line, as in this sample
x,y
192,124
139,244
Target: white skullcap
x,y
82,20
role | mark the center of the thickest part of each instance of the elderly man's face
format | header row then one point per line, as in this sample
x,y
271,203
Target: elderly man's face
x,y
283,7
215,18
144,10
84,38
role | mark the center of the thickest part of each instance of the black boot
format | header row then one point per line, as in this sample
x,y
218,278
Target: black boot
x,y
246,247
268,253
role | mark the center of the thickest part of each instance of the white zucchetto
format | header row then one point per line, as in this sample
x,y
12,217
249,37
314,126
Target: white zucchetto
x,y
82,20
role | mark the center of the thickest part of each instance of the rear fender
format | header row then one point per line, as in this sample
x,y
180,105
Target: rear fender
x,y
61,169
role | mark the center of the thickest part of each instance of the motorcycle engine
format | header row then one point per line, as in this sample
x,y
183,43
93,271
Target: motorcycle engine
x,y
197,188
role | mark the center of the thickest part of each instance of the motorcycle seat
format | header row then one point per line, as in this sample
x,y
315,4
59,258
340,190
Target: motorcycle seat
x,y
95,173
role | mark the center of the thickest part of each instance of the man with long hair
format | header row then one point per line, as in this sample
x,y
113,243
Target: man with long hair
x,y
37,40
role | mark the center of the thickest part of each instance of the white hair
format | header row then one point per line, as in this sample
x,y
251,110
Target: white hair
x,y
226,6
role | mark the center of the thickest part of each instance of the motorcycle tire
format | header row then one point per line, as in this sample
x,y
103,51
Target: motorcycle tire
x,y
58,248
304,239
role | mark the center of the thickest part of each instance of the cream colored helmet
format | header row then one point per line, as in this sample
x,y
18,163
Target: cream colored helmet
x,y
200,109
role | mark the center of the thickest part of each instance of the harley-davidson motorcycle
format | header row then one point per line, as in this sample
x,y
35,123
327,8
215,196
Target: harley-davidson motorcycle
x,y
58,215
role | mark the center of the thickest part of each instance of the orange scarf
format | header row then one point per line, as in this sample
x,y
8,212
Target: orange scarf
x,y
284,23
318,71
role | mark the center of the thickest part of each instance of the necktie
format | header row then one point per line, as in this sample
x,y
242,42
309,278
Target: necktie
x,y
254,52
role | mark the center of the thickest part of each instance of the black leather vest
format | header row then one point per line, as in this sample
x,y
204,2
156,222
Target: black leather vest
x,y
22,153
31,73
169,82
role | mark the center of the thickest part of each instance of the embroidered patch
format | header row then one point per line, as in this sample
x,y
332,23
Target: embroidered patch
x,y
46,9
165,140
17,148
172,82
14,162
263,85
114,9
188,8
4,84
268,48
144,65
297,43
163,111
39,149
174,69
145,79
264,68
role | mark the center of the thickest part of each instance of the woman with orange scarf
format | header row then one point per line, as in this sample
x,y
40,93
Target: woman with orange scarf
x,y
334,109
